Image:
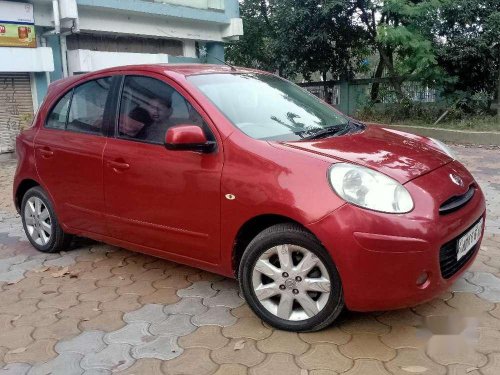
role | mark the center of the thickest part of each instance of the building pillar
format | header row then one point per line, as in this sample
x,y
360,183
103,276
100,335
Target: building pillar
x,y
215,52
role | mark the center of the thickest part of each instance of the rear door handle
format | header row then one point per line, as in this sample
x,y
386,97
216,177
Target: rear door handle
x,y
118,165
46,152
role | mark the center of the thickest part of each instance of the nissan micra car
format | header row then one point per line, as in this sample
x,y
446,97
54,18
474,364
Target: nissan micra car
x,y
244,174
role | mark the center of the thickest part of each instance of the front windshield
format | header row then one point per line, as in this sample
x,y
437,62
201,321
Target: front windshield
x,y
267,107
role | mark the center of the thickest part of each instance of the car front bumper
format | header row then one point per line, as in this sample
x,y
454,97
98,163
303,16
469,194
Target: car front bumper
x,y
382,258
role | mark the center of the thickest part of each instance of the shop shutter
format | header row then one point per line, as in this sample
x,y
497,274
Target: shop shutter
x,y
16,107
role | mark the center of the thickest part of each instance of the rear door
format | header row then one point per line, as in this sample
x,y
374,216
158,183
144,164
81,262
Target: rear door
x,y
69,148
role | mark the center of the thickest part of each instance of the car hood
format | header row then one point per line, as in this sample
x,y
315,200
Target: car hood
x,y
399,155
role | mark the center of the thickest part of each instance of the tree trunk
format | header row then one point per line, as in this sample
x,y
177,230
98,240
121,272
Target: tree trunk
x,y
376,85
498,88
395,80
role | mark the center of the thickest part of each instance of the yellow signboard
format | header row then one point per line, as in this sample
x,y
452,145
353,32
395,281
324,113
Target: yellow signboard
x,y
17,35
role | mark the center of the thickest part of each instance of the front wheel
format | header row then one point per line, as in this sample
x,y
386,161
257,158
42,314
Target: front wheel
x,y
40,222
290,281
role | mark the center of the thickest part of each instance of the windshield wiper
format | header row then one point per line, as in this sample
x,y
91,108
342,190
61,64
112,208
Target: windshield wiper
x,y
330,131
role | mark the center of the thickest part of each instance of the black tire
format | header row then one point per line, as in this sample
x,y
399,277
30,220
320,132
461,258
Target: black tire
x,y
59,240
292,234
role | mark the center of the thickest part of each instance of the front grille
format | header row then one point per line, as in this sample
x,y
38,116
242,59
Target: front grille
x,y
456,202
448,256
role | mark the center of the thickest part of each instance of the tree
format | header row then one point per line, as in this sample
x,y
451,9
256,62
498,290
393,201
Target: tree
x,y
468,48
401,33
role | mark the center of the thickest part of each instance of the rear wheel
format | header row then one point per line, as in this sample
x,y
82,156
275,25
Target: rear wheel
x,y
40,222
289,279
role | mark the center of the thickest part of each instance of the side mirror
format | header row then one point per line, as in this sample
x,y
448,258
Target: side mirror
x,y
188,138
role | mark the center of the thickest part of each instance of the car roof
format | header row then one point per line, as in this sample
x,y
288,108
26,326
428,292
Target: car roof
x,y
181,69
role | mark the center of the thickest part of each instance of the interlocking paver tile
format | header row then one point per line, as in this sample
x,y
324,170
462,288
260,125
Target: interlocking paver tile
x,y
174,325
404,337
232,369
139,287
41,292
247,356
462,285
195,361
330,334
155,274
64,261
162,347
10,295
115,280
107,321
17,337
367,366
66,363
219,316
324,356
204,276
23,307
79,286
60,301
96,273
493,364
226,284
36,352
12,276
6,322
132,334
115,357
15,369
174,281
322,372
225,298
28,265
283,342
247,327
82,311
410,358
367,345
470,304
188,306
145,366
202,289
125,303
243,311
451,349
103,294
277,363
488,341
209,337
355,323
163,296
151,313
85,343
58,330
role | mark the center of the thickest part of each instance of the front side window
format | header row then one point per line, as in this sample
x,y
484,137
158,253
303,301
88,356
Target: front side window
x,y
267,107
57,117
86,114
149,107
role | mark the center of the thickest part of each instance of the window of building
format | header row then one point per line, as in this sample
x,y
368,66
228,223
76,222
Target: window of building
x,y
59,114
149,107
88,105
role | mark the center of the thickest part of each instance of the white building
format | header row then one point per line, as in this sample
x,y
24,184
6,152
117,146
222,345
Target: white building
x,y
44,40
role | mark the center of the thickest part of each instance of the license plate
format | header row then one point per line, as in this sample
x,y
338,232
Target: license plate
x,y
468,240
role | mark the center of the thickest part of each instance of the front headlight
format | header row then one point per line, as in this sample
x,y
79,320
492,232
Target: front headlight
x,y
443,148
369,189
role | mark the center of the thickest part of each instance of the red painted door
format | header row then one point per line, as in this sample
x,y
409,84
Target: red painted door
x,y
157,198
68,151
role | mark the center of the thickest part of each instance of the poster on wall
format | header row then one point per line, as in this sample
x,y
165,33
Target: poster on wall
x,y
17,25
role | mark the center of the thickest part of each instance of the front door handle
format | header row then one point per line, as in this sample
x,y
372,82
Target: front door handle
x,y
46,152
118,166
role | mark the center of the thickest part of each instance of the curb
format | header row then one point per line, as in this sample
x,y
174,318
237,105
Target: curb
x,y
448,135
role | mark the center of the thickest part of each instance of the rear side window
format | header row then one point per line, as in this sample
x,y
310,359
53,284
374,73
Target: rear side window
x,y
87,107
59,114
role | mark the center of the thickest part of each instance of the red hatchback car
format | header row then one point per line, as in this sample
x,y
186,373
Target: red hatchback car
x,y
242,173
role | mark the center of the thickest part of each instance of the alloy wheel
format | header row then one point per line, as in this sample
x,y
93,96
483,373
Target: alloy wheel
x,y
291,282
38,221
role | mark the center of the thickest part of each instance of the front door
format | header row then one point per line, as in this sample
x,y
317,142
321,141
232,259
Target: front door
x,y
68,149
156,198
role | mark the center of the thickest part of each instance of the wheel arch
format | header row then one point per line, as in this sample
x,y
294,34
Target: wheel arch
x,y
22,188
252,228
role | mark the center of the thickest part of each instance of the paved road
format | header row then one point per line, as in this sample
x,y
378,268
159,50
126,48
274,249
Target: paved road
x,y
98,309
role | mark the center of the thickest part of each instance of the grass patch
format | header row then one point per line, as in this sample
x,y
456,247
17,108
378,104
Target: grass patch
x,y
488,123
